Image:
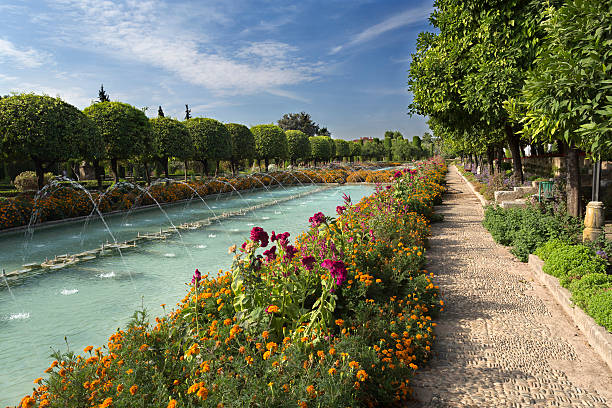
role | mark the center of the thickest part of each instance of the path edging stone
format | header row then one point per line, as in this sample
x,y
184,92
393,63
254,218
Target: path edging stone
x,y
598,337
483,201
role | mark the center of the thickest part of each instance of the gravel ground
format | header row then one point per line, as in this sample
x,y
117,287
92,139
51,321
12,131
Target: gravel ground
x,y
502,341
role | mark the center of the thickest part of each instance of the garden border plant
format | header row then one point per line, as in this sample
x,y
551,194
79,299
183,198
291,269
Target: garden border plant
x,y
340,317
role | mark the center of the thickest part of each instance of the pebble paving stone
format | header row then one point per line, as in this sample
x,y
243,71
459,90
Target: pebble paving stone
x,y
502,340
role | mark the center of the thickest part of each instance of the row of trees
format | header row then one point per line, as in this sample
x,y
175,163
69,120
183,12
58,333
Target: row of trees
x,y
48,130
498,74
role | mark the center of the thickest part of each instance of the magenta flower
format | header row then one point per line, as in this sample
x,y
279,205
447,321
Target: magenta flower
x,y
308,262
397,174
259,235
340,209
337,269
270,254
195,279
317,219
290,252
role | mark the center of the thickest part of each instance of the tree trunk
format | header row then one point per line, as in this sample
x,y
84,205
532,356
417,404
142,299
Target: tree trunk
x,y
147,173
233,166
115,169
515,149
164,163
490,159
266,163
500,158
97,172
205,166
573,182
185,170
40,174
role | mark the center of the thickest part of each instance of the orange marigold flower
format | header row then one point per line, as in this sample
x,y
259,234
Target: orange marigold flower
x,y
107,403
133,389
88,349
339,322
362,375
354,364
144,347
202,393
331,371
120,387
172,404
265,334
38,380
310,389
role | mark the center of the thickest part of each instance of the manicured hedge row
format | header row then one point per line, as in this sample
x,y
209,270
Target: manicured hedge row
x,y
341,317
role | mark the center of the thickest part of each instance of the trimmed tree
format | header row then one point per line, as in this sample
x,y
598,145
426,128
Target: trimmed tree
x,y
342,149
125,130
270,143
170,139
43,129
211,141
298,145
355,150
320,149
299,121
243,144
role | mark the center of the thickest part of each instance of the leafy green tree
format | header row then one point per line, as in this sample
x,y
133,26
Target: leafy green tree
x,y
342,149
323,132
355,149
298,145
403,150
102,95
125,129
373,149
299,121
568,96
43,129
270,143
211,141
170,139
332,147
243,143
320,149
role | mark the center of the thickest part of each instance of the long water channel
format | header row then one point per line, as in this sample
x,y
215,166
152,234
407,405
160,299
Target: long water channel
x,y
88,301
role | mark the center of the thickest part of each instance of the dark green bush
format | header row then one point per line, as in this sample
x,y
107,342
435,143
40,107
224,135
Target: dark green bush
x,y
599,307
525,229
573,262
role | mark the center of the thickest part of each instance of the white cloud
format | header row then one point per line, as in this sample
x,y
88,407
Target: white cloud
x,y
28,58
149,32
410,16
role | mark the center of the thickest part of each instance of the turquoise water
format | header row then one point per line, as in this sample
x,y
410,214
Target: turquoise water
x,y
88,301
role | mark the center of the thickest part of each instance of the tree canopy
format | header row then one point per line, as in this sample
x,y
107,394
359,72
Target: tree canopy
x,y
342,148
211,140
270,143
298,145
242,142
320,148
299,121
45,130
170,139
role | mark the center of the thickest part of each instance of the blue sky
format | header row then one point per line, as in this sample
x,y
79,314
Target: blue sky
x,y
245,61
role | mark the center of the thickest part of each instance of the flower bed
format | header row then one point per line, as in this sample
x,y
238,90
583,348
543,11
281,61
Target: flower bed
x,y
65,201
340,317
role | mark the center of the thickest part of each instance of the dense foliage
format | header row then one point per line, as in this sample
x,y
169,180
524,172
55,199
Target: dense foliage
x,y
242,142
341,317
525,229
210,140
298,145
45,130
270,143
125,130
170,139
299,121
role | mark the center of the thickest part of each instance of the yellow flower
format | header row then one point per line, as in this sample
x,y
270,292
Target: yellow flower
x,y
331,371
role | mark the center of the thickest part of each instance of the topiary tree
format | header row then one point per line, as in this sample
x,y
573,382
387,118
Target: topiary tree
x,y
43,129
298,145
270,143
355,150
170,139
342,149
243,143
332,147
320,148
211,141
126,130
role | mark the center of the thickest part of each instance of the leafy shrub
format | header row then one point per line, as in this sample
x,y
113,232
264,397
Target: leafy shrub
x,y
27,180
591,284
525,229
572,262
599,307
549,247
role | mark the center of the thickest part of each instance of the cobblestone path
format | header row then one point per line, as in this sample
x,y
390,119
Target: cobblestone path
x,y
502,341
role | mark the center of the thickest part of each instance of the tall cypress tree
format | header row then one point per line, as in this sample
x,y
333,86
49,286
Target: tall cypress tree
x,y
102,95
187,112
160,112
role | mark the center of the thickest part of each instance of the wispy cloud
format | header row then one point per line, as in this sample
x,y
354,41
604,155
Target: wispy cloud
x,y
410,16
28,58
149,32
